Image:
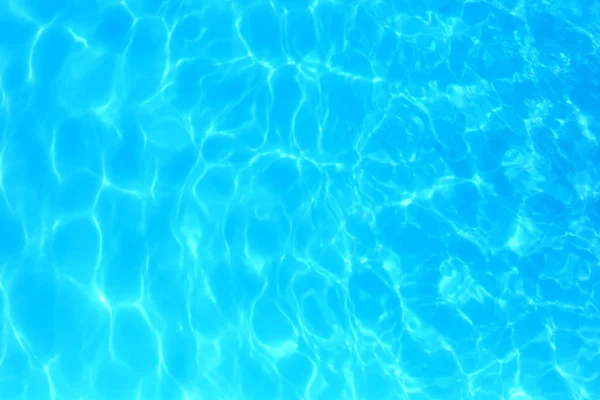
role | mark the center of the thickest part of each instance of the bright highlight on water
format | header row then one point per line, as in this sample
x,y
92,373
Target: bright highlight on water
x,y
299,200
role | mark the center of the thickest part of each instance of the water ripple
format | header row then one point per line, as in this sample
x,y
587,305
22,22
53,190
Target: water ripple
x,y
299,199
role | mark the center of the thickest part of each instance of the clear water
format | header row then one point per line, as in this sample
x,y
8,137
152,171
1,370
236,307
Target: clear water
x,y
295,199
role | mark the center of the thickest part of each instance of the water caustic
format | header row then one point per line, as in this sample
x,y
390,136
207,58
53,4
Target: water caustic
x,y
299,200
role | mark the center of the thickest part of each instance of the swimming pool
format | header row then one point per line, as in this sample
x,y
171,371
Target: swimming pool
x,y
294,199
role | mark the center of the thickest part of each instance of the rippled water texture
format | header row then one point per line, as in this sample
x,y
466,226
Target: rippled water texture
x,y
295,199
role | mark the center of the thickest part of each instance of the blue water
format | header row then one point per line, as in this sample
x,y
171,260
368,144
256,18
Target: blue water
x,y
296,199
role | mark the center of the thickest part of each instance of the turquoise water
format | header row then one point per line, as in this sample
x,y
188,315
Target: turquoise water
x,y
293,199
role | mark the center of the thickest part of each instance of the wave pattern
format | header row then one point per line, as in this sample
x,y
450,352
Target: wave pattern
x,y
294,199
